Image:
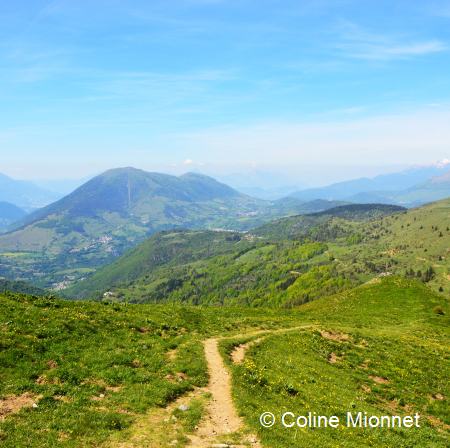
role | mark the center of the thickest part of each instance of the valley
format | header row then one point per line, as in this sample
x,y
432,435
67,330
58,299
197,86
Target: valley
x,y
284,263
61,243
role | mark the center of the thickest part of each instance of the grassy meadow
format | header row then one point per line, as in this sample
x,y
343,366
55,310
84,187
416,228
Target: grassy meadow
x,y
382,348
92,369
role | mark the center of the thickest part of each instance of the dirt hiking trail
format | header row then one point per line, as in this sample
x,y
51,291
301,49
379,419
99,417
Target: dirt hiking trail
x,y
221,419
222,422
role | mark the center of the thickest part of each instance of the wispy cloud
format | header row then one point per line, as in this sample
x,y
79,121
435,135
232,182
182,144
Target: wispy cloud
x,y
358,43
411,137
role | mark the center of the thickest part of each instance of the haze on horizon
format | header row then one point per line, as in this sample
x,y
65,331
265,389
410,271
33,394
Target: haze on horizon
x,y
319,91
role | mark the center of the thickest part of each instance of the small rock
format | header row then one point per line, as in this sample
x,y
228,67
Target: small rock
x,y
102,395
173,442
183,407
220,445
34,405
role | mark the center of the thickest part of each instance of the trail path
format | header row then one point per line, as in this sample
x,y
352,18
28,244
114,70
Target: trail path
x,y
222,419
222,423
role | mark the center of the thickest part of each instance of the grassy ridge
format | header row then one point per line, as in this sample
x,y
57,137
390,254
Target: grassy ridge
x,y
94,368
371,351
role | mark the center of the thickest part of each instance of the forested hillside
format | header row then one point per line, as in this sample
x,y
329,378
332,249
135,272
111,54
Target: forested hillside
x,y
284,263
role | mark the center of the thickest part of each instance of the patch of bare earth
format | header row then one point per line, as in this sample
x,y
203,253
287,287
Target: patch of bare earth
x,y
379,379
335,336
178,377
14,403
333,358
172,354
437,423
238,354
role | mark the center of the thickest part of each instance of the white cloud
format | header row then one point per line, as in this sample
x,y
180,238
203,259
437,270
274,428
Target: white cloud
x,y
188,162
404,138
358,43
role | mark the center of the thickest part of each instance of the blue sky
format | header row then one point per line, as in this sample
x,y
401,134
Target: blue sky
x,y
309,88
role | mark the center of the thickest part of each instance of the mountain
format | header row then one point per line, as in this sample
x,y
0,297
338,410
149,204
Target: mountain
x,y
118,209
268,194
9,213
263,184
401,188
283,263
319,225
111,213
292,206
25,194
276,264
436,188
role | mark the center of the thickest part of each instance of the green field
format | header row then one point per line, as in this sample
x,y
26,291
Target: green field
x,y
95,370
381,349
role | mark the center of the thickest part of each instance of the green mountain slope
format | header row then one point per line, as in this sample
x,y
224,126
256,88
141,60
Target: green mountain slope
x,y
20,287
164,249
319,224
113,212
283,263
368,350
94,369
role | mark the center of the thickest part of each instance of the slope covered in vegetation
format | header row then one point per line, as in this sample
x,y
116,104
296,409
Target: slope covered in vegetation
x,y
285,263
113,212
71,374
368,350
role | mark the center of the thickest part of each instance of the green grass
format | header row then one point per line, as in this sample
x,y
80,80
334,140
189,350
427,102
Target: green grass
x,y
97,367
389,330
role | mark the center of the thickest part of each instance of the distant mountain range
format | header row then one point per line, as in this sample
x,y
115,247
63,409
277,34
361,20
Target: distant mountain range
x,y
120,208
9,213
263,184
113,212
408,188
25,194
